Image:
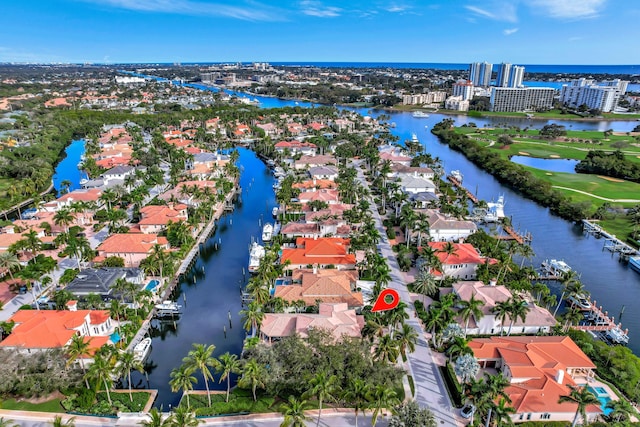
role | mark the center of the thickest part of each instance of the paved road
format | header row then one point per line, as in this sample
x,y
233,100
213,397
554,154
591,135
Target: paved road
x,y
429,385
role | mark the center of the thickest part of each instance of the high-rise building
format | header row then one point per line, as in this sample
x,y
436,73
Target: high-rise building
x,y
515,76
603,97
464,89
504,74
521,99
480,73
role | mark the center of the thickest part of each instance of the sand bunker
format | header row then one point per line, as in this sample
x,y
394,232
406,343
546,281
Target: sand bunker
x,y
554,156
549,173
608,178
524,153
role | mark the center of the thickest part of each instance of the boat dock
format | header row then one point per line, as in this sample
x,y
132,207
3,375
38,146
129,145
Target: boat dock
x,y
514,235
458,184
140,334
602,322
611,242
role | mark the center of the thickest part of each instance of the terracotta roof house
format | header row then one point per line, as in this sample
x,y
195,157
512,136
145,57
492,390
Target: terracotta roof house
x,y
322,252
329,196
319,228
333,286
443,228
295,147
269,129
463,263
338,319
540,369
90,195
132,247
155,218
315,184
49,329
305,162
181,192
537,320
395,158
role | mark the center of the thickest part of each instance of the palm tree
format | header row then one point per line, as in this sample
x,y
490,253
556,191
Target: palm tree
x,y
253,315
501,311
491,388
425,284
182,379
63,217
468,309
567,280
323,387
9,261
572,317
126,362
449,249
184,417
101,371
228,364
31,242
517,309
582,397
382,397
458,347
58,422
502,412
357,394
253,375
293,412
466,367
201,358
407,337
76,349
387,349
155,419
621,410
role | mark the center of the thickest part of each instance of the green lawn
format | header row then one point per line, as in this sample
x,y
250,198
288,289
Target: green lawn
x,y
52,405
621,227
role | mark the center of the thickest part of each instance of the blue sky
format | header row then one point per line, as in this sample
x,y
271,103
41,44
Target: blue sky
x,y
459,31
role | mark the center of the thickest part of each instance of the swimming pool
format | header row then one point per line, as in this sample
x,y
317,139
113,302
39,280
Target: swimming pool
x,y
151,286
603,397
115,337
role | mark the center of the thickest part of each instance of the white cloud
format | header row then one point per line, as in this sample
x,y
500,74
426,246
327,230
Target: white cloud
x,y
496,10
575,38
509,31
569,9
251,11
315,8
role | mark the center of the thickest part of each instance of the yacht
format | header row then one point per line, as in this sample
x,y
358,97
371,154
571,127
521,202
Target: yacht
x,y
457,175
555,266
617,336
634,263
267,232
414,138
142,349
495,210
256,253
420,114
275,210
579,301
168,308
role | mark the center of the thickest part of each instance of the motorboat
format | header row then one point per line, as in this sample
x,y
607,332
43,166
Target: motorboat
x,y
168,308
256,253
275,210
267,232
420,114
617,336
142,349
414,138
495,210
634,263
579,301
457,175
555,266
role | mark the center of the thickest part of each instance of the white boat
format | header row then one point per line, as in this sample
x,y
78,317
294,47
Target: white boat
x,y
256,253
495,210
167,308
142,349
617,336
555,266
579,301
275,210
457,175
420,114
267,232
634,263
414,138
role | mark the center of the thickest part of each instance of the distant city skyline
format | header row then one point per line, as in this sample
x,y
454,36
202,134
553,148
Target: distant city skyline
x,y
413,31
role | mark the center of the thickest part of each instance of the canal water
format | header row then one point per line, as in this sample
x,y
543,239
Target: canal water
x,y
68,169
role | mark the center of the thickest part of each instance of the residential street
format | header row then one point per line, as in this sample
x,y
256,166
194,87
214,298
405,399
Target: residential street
x,y
429,385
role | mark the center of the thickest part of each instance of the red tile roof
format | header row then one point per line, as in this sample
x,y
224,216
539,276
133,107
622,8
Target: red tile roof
x,y
323,251
131,243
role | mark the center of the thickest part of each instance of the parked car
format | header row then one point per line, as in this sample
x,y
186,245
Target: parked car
x,y
467,410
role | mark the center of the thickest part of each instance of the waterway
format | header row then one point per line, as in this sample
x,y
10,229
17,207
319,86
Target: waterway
x,y
67,169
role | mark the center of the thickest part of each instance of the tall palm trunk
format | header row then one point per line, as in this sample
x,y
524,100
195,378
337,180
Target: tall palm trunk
x,y
488,418
106,387
206,384
320,412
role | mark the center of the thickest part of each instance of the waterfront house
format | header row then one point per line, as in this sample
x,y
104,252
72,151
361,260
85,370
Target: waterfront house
x,y
443,228
537,319
421,171
315,184
323,172
269,129
462,263
296,147
306,162
118,173
323,252
317,228
395,157
131,247
539,370
38,330
82,195
328,196
329,285
343,125
100,281
155,218
336,319
414,184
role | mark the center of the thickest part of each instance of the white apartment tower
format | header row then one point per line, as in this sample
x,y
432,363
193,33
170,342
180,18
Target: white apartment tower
x,y
480,73
463,89
603,97
515,76
521,99
504,72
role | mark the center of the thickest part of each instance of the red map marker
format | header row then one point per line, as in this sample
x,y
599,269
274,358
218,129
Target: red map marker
x,y
381,303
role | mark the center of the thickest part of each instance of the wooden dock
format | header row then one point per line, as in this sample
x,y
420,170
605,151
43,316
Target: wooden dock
x,y
611,242
458,184
514,235
607,322
140,334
